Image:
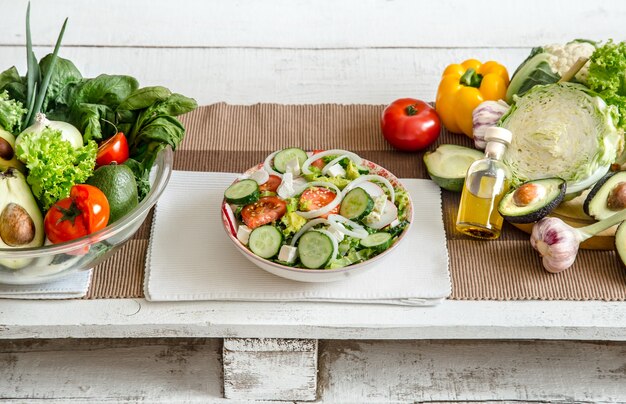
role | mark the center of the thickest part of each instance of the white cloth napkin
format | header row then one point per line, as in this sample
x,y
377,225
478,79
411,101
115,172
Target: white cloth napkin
x,y
72,286
190,257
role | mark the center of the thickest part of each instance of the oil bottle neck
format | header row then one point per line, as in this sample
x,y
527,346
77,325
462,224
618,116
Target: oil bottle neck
x,y
495,150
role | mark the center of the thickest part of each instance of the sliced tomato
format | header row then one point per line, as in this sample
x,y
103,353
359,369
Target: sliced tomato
x,y
271,185
317,197
114,149
266,210
319,163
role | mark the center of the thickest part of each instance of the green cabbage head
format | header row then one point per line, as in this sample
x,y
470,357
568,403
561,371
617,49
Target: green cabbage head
x,y
561,130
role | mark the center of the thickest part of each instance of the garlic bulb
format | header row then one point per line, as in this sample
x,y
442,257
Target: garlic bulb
x,y
486,115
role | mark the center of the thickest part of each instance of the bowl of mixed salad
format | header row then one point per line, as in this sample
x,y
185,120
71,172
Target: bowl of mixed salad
x,y
82,161
316,216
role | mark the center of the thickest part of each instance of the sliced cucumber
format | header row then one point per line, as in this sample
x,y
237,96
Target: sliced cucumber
x,y
315,249
448,165
378,241
286,155
265,241
356,204
242,192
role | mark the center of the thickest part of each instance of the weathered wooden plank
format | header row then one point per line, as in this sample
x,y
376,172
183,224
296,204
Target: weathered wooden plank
x,y
248,76
136,318
129,370
189,370
434,371
270,369
315,24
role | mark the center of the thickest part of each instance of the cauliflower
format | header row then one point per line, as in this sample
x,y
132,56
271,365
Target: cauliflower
x,y
546,65
562,57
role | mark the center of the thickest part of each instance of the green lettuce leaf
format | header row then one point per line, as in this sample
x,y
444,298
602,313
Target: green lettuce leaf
x,y
11,113
606,76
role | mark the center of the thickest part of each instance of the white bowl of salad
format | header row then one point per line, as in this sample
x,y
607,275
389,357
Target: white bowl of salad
x,y
316,217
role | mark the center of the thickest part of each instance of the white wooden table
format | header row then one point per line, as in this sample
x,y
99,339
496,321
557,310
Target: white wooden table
x,y
243,52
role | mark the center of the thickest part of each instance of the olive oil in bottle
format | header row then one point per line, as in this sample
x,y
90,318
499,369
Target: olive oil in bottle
x,y
486,182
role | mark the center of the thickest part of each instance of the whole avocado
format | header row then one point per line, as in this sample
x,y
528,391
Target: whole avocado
x,y
118,183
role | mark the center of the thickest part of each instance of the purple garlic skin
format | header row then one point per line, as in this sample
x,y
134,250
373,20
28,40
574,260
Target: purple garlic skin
x,y
556,242
486,115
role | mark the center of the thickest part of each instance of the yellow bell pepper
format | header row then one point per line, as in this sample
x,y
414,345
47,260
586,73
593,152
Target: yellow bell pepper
x,y
464,86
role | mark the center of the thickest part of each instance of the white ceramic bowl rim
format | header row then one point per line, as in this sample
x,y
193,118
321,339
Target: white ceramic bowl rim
x,y
396,183
164,162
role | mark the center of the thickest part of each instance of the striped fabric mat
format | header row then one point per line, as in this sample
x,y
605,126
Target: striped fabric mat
x,y
230,138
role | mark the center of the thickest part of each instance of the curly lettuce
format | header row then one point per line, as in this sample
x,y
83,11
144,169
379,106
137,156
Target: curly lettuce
x,y
11,113
54,166
606,76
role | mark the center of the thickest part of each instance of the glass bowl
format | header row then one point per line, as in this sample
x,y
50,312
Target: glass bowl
x,y
27,266
319,275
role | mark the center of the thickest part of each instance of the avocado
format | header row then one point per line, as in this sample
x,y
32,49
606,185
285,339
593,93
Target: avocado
x,y
532,200
620,242
447,166
118,183
607,196
21,222
7,152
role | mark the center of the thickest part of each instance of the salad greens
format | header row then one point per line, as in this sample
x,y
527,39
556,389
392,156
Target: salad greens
x,y
11,113
54,166
607,76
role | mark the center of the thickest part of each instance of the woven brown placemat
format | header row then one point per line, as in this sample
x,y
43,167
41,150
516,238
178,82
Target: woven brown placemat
x,y
230,138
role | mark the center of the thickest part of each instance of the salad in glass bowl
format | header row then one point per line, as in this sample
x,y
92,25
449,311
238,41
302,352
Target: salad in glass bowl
x,y
316,216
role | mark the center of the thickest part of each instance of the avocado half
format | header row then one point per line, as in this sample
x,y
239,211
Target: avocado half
x,y
532,200
620,242
601,200
447,166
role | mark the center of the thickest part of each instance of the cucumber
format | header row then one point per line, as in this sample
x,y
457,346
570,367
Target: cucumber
x,y
265,241
377,241
356,204
286,155
447,166
242,192
315,249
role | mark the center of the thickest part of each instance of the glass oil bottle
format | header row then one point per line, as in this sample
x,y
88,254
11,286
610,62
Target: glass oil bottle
x,y
486,182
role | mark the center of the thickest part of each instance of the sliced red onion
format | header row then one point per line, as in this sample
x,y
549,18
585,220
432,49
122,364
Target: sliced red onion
x,y
306,227
374,190
267,164
363,178
333,240
332,163
324,209
352,156
357,231
260,176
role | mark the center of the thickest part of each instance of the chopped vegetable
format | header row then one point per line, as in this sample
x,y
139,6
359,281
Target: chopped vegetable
x,y
293,222
547,64
561,130
463,87
54,165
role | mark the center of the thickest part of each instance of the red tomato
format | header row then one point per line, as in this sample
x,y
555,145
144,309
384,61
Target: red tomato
x,y
410,125
271,185
317,197
266,210
319,163
85,211
114,149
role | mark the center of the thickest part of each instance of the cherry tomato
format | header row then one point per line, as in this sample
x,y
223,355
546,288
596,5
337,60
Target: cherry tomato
x,y
85,211
271,185
319,163
410,125
317,197
266,210
114,149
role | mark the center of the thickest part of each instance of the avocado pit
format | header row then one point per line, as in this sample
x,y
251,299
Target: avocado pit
x,y
17,228
6,150
528,193
617,197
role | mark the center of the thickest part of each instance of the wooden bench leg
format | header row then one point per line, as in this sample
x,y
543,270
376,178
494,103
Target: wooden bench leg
x,y
270,369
